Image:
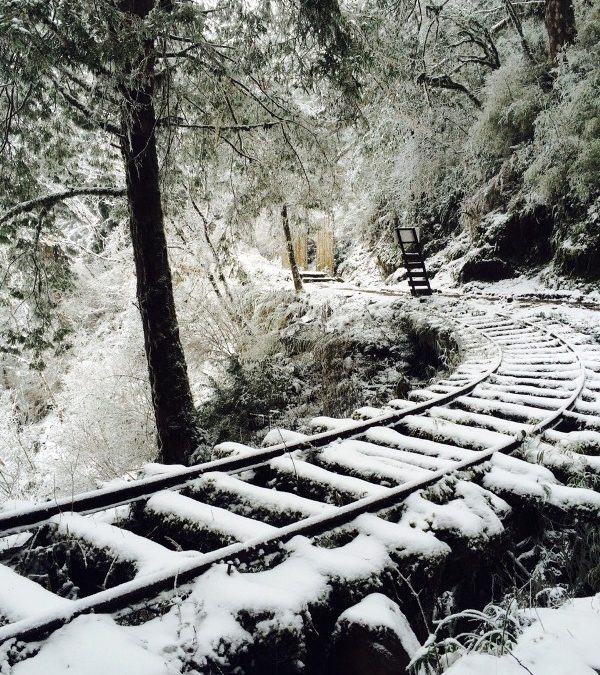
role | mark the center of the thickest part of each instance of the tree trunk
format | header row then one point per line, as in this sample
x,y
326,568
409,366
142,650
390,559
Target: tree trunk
x,y
560,24
174,411
516,22
290,250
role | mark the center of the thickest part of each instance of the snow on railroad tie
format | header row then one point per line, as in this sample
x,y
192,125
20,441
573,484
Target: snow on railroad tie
x,y
278,435
514,387
321,482
438,429
201,517
419,395
473,513
473,419
324,423
550,373
347,458
147,556
587,407
404,541
397,457
395,439
231,449
551,383
509,410
574,439
563,457
272,506
368,412
583,420
528,400
21,598
510,476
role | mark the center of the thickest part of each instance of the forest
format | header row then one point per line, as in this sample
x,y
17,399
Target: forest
x,y
243,428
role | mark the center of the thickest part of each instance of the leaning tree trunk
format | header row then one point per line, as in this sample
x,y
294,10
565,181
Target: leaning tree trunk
x,y
171,395
290,250
560,24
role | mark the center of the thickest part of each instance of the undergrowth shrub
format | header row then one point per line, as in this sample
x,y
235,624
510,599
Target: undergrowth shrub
x,y
493,630
567,133
311,360
514,95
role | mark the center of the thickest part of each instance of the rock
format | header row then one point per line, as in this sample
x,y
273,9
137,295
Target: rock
x,y
522,235
484,266
372,637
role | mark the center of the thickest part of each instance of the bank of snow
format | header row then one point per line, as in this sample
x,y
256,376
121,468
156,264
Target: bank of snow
x,y
561,641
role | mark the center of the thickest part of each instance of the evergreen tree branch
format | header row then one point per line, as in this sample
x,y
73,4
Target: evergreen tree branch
x,y
165,121
85,111
50,200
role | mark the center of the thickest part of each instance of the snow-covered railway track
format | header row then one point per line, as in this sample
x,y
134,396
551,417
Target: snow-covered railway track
x,y
516,385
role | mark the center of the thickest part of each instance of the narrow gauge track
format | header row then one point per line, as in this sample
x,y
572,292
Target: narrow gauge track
x,y
524,299
517,381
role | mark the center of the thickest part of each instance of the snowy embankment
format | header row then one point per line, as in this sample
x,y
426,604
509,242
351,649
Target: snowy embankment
x,y
562,641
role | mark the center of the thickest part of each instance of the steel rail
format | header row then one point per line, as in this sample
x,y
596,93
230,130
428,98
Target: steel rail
x,y
139,590
16,521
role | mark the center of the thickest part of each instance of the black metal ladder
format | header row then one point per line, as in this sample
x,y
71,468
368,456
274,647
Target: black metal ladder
x,y
412,255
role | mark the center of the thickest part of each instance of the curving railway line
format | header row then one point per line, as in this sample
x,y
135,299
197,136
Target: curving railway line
x,y
513,410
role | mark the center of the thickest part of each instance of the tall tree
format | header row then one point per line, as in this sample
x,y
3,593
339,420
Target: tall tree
x,y
143,73
290,249
171,394
560,24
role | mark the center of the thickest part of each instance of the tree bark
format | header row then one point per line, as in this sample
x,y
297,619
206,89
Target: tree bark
x,y
560,24
178,435
290,250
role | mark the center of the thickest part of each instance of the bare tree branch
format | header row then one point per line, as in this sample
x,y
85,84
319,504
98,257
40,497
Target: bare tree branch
x,y
446,82
516,22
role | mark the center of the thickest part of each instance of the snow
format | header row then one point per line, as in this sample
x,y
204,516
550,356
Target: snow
x,y
561,641
210,616
349,458
171,505
403,540
378,611
533,484
94,645
466,417
395,456
395,439
148,556
276,436
502,409
324,423
305,472
439,429
474,513
247,497
21,598
230,448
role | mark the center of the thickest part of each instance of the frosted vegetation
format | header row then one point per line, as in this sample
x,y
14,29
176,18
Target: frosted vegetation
x,y
454,117
454,123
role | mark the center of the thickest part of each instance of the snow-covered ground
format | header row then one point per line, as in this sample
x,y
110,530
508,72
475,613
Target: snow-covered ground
x,y
561,641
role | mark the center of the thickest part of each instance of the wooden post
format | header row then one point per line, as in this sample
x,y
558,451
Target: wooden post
x,y
325,251
301,251
290,249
